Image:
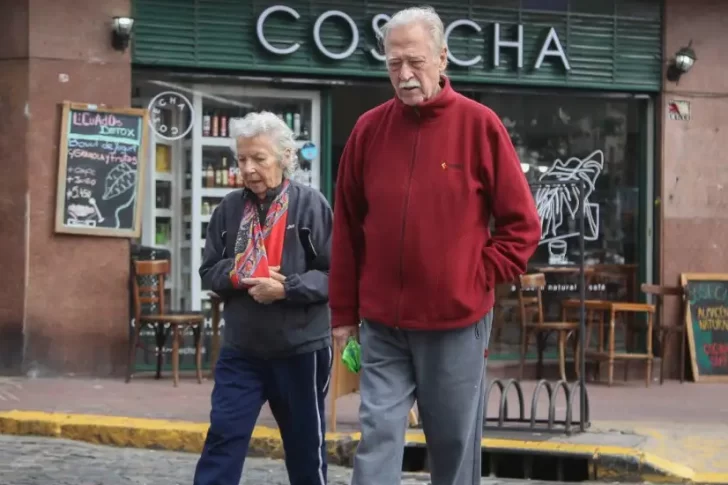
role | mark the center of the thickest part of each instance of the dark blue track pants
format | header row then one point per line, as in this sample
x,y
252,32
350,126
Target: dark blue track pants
x,y
295,388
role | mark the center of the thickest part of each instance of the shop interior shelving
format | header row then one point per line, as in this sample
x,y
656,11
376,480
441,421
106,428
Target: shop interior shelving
x,y
160,204
189,177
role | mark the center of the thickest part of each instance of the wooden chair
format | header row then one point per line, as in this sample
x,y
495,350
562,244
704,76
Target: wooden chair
x,y
533,307
667,330
148,289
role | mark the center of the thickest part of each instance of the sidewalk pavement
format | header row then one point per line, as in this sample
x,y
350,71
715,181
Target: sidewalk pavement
x,y
663,433
30,460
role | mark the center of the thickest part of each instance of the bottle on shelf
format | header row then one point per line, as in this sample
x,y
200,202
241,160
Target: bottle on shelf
x,y
223,172
203,182
297,125
163,163
231,179
215,130
218,177
223,126
210,176
206,124
163,233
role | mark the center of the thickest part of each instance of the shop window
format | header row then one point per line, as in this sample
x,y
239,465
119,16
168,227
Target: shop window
x,y
564,139
560,138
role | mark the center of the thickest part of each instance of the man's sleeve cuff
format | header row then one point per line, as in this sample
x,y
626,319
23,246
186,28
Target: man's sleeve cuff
x,y
344,318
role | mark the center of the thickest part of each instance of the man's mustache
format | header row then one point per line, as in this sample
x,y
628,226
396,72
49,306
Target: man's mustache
x,y
412,83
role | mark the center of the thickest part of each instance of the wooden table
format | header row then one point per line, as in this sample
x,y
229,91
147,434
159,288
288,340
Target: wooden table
x,y
612,308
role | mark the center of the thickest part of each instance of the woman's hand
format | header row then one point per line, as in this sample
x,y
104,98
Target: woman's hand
x,y
265,290
275,274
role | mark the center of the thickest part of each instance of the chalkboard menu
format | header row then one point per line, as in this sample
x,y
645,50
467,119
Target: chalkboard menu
x,y
102,156
707,325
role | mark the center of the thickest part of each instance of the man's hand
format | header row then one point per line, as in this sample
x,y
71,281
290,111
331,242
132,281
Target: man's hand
x,y
265,290
342,334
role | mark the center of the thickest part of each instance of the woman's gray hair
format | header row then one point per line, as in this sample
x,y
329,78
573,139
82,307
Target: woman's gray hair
x,y
268,124
425,16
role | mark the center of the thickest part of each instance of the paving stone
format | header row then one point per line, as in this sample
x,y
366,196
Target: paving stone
x,y
48,461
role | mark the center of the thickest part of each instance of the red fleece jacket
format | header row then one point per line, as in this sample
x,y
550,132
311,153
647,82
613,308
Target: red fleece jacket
x,y
415,192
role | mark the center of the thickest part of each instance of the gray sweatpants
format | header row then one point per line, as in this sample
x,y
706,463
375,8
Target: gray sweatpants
x,y
445,372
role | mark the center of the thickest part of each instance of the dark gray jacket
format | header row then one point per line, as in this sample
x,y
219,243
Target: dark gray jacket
x,y
301,322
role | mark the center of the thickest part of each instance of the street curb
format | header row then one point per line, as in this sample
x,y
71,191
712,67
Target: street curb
x,y
609,462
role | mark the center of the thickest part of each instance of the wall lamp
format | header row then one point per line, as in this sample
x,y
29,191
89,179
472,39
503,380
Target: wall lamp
x,y
681,63
121,32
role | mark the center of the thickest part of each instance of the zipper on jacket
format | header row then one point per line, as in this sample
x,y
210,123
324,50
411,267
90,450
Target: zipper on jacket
x,y
404,220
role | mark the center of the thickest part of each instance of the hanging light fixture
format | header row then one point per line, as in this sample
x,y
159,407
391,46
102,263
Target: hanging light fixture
x,y
121,32
685,58
682,62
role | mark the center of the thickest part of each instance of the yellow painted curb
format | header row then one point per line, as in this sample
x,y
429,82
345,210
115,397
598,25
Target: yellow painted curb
x,y
189,437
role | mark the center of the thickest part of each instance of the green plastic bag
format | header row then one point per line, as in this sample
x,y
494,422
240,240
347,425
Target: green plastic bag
x,y
351,356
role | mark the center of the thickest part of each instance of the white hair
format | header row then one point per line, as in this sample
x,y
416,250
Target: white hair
x,y
267,124
425,16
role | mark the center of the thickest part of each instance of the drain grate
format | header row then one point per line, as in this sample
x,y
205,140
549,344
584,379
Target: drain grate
x,y
524,466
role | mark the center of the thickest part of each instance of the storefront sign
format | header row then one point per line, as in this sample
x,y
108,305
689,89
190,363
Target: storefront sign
x,y
679,110
706,320
102,156
550,48
171,115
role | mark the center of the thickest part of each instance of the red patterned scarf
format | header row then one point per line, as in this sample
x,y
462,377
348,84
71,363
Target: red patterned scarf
x,y
258,248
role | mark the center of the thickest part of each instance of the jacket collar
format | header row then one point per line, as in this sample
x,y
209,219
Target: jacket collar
x,y
433,107
269,195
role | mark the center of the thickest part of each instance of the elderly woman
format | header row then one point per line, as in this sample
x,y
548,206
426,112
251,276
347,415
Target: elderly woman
x,y
267,255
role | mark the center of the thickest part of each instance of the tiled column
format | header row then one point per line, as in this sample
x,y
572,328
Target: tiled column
x,y
694,198
63,299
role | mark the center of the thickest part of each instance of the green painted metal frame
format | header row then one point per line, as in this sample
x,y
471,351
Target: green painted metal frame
x,y
619,49
327,185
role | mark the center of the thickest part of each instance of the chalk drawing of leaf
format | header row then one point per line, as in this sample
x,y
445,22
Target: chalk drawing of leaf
x,y
120,179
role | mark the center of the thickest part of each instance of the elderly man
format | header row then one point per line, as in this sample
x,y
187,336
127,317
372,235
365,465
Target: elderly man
x,y
414,260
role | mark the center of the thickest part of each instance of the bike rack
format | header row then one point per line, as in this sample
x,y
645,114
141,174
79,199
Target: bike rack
x,y
533,422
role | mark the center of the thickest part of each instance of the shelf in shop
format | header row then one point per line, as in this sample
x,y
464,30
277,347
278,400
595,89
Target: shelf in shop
x,y
220,142
216,192
204,218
